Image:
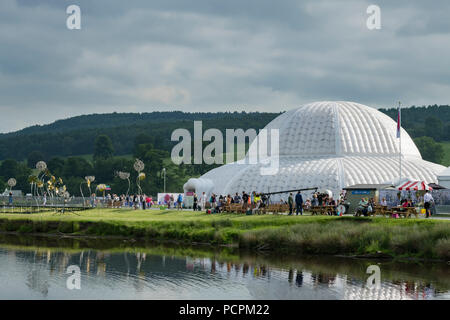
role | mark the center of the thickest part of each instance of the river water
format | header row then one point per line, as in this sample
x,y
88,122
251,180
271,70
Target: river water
x,y
36,268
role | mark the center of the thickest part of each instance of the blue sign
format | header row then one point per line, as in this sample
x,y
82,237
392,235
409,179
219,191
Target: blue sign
x,y
361,192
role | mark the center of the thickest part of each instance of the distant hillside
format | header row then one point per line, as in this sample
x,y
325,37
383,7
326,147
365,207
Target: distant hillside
x,y
76,135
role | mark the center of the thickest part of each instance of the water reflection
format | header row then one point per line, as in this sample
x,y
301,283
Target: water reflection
x,y
162,273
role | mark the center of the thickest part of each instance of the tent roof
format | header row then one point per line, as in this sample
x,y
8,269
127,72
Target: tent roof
x,y
369,186
436,186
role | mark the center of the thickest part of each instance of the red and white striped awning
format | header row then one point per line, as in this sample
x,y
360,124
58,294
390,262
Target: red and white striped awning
x,y
414,185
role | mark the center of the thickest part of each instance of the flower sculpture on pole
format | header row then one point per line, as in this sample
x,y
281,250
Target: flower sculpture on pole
x,y
12,183
88,180
32,180
125,176
139,167
41,166
101,187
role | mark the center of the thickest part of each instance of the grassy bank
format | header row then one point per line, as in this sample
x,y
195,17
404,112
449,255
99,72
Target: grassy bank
x,y
418,238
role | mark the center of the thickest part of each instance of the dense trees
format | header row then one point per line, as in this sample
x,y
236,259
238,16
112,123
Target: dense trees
x,y
74,136
434,128
103,148
34,157
429,149
10,168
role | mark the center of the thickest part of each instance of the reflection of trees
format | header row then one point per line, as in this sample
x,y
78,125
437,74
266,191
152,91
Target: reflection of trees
x,y
141,264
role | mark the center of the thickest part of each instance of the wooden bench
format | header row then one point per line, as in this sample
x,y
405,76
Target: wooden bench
x,y
318,210
405,212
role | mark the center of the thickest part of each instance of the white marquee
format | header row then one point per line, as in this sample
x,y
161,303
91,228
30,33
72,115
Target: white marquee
x,y
329,145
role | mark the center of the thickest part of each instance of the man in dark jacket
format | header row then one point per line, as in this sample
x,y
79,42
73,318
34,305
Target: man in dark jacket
x,y
299,202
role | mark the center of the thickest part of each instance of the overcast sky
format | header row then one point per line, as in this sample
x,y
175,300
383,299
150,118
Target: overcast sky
x,y
217,55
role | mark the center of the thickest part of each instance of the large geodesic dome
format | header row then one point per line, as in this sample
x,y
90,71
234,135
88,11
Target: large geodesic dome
x,y
329,145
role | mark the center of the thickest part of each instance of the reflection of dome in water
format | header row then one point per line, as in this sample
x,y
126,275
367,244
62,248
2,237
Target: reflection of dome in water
x,y
328,145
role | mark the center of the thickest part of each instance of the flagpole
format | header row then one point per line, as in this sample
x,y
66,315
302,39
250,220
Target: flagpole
x,y
400,138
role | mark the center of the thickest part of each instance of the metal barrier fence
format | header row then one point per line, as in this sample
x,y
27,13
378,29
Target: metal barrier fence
x,y
56,202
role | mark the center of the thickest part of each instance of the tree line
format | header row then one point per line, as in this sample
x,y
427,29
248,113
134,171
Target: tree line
x,y
147,137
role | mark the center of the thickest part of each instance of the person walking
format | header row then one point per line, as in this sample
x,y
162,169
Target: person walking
x,y
10,199
179,202
291,203
171,202
143,201
195,202
245,200
203,201
299,203
428,200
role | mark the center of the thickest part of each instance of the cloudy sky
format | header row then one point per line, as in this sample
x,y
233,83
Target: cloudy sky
x,y
215,55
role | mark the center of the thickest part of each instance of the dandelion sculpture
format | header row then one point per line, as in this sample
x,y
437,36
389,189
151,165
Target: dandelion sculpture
x,y
37,182
125,176
11,183
41,166
101,187
139,166
88,180
32,180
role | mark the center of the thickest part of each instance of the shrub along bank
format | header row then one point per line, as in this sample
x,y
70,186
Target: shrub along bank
x,y
415,238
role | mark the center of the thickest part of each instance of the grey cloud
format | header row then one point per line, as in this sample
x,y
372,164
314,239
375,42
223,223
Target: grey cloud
x,y
211,55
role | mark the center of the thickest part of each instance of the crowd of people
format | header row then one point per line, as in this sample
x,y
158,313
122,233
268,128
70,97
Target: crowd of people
x,y
125,201
255,201
367,205
217,203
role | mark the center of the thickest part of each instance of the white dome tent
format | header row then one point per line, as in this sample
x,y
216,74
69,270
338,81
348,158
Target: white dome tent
x,y
329,145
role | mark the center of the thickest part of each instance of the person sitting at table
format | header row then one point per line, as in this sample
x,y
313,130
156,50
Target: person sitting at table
x,y
383,202
332,205
362,207
370,206
404,203
315,200
307,204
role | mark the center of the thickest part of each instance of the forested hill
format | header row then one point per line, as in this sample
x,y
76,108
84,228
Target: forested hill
x,y
110,120
76,136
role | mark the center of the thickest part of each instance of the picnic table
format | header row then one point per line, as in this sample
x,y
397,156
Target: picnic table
x,y
322,210
407,212
381,210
